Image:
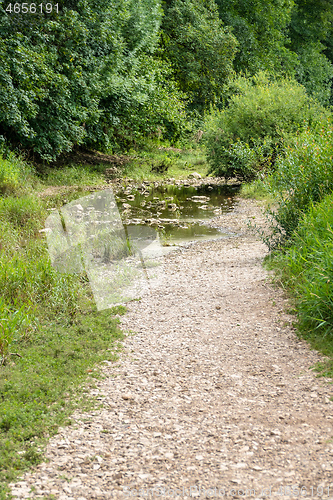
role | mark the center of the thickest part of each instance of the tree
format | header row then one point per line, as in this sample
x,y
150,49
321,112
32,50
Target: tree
x,y
260,27
285,37
310,31
83,75
199,48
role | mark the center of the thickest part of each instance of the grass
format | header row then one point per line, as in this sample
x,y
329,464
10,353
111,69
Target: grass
x,y
40,390
16,175
305,270
74,175
257,191
51,336
301,177
163,164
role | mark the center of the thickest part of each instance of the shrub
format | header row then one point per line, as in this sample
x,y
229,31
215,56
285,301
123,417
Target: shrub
x,y
246,136
307,268
243,161
303,176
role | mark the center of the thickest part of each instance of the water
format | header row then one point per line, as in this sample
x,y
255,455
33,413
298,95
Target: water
x,y
178,213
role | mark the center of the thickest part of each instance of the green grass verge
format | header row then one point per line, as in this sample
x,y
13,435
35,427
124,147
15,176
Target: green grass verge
x,y
40,390
51,336
305,270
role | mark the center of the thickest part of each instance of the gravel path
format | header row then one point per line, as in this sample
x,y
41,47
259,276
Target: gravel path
x,y
213,395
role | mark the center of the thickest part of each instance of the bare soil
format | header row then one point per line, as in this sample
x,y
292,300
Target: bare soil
x,y
213,390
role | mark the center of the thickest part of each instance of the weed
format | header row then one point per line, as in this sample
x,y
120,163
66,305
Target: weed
x,y
302,177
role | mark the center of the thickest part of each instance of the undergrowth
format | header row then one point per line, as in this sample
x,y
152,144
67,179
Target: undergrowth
x,y
304,175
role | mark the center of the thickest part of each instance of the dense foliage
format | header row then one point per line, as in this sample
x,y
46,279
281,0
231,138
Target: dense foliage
x,y
246,137
261,30
310,33
200,50
286,37
108,75
84,75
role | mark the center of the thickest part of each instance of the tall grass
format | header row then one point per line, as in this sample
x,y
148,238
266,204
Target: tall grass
x,y
26,273
307,269
78,175
50,333
16,175
303,176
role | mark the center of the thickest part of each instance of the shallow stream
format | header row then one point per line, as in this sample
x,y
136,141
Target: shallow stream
x,y
179,213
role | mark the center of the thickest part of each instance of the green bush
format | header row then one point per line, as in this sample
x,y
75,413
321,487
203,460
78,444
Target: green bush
x,y
41,389
304,175
85,75
246,137
307,268
244,161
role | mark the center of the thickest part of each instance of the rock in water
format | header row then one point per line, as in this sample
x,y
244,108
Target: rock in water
x,y
194,175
